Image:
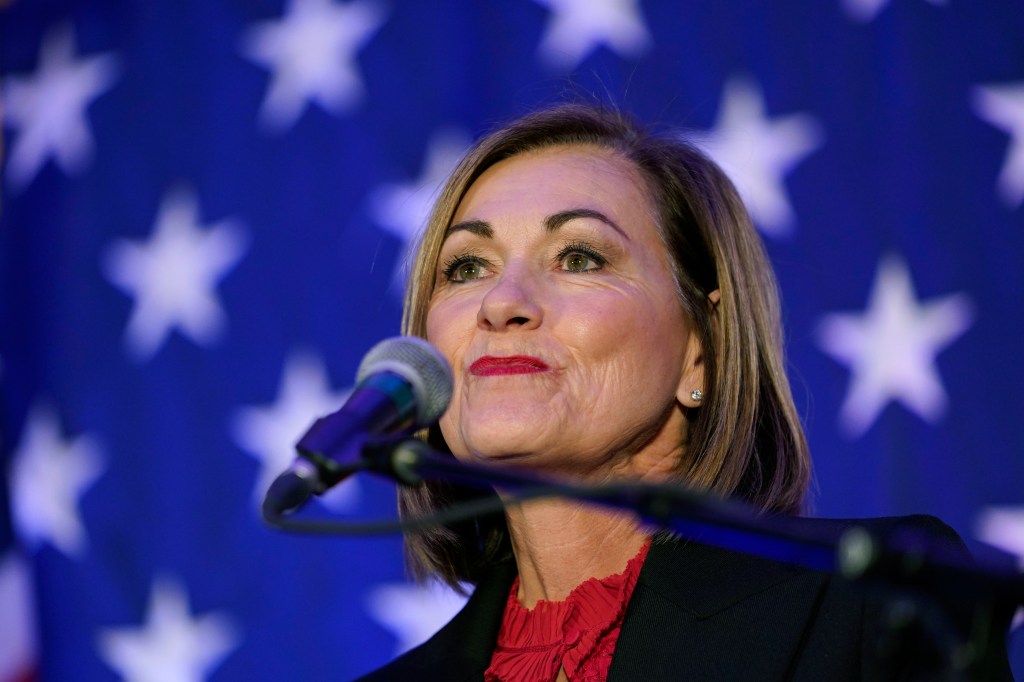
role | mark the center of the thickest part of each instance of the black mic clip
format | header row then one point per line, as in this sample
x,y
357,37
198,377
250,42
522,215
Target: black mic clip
x,y
314,473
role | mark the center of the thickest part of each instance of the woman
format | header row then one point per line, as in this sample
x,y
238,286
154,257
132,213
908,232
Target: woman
x,y
609,313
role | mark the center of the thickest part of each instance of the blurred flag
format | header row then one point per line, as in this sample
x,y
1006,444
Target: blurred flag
x,y
206,211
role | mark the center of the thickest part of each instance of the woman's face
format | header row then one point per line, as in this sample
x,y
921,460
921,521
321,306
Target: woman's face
x,y
555,305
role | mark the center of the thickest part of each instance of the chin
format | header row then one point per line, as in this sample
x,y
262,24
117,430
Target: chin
x,y
502,444
501,429
506,410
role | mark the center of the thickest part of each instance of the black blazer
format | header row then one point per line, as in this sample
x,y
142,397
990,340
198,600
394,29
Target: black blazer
x,y
702,613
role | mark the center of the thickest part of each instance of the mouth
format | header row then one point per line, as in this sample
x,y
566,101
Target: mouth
x,y
489,365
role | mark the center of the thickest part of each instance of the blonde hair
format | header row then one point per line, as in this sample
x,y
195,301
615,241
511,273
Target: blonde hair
x,y
745,441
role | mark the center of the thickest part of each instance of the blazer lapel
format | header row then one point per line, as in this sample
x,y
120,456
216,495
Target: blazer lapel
x,y
704,613
461,651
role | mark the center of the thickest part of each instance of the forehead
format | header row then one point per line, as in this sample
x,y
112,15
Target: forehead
x,y
553,179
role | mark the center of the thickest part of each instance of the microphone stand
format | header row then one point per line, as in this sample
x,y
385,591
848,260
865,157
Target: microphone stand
x,y
923,572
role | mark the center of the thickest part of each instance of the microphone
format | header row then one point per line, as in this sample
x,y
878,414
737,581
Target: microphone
x,y
403,384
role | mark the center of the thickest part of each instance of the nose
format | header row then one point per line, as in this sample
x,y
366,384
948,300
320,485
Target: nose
x,y
512,303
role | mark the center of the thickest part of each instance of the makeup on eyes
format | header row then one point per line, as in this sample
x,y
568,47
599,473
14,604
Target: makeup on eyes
x,y
484,252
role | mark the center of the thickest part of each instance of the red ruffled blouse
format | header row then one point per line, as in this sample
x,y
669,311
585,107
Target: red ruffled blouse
x,y
577,634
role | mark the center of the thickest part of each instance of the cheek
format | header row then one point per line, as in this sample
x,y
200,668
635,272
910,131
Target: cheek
x,y
450,432
635,341
447,325
615,325
449,328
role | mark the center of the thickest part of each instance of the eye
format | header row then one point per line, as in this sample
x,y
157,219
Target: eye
x,y
579,257
579,262
464,268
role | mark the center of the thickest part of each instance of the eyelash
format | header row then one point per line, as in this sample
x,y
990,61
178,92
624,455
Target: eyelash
x,y
453,263
457,261
583,249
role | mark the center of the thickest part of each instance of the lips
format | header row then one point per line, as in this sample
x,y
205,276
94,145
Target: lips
x,y
490,365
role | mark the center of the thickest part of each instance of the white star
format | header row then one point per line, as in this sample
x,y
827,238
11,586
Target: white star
x,y
891,348
413,613
1003,527
269,433
757,152
48,108
311,54
172,646
403,208
49,475
578,27
866,10
1003,107
173,275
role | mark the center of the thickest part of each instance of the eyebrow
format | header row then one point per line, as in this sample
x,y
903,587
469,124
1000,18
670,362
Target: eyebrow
x,y
552,223
555,221
477,227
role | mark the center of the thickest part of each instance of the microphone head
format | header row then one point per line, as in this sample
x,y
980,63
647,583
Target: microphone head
x,y
419,363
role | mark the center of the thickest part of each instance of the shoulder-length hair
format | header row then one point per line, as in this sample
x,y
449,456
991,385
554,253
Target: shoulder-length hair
x,y
745,441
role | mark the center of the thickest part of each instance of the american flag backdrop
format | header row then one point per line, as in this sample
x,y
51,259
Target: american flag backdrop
x,y
205,214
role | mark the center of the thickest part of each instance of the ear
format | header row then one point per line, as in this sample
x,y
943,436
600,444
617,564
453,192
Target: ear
x,y
692,377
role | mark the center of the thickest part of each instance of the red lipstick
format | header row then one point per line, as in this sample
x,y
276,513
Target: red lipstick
x,y
489,365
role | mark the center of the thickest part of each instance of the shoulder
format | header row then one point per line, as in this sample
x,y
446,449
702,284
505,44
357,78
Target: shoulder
x,y
461,650
924,524
758,617
860,558
761,559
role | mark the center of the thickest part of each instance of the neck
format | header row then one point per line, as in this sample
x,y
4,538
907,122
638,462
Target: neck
x,y
561,543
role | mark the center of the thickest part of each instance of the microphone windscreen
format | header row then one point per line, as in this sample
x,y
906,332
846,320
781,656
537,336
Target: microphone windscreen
x,y
421,365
